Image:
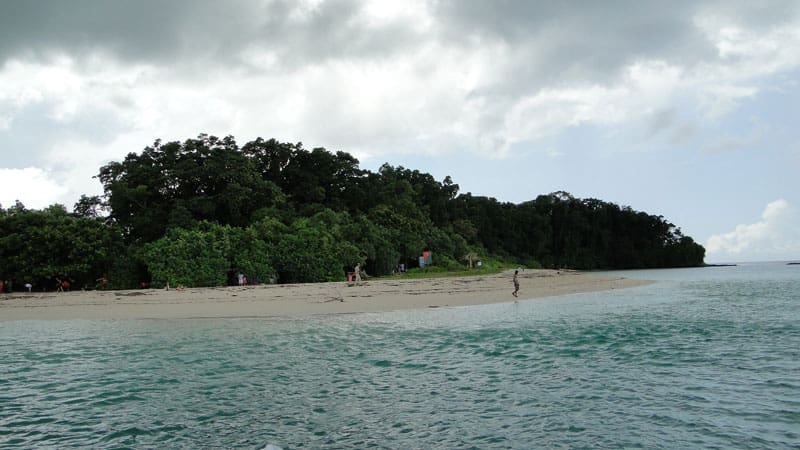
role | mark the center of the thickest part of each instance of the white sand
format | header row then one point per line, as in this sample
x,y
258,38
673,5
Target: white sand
x,y
302,299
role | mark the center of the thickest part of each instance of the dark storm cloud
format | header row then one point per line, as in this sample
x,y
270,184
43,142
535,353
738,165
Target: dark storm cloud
x,y
184,32
553,40
563,42
186,39
335,29
539,44
139,30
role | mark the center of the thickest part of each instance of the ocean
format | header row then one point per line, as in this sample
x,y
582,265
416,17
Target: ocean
x,y
704,358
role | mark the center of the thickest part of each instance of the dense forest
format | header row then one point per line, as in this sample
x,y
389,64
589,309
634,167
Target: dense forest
x,y
199,212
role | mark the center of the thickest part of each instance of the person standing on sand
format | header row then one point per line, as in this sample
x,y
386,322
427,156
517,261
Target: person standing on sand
x,y
516,283
357,273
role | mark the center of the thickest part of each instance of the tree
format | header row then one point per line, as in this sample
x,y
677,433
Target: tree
x,y
310,251
175,184
89,206
17,208
40,246
187,257
308,177
374,244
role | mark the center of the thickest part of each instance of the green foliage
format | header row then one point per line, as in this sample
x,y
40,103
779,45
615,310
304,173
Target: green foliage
x,y
176,183
89,206
448,264
438,271
250,255
313,250
40,246
201,211
207,255
374,244
124,270
187,257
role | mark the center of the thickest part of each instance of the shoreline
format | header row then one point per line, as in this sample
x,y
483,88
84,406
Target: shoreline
x,y
297,300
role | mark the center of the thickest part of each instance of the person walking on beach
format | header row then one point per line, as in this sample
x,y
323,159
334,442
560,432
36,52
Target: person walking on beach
x,y
357,274
516,284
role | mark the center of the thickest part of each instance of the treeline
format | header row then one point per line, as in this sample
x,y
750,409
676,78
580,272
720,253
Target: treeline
x,y
201,211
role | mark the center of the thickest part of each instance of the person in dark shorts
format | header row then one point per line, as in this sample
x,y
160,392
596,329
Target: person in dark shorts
x,y
516,283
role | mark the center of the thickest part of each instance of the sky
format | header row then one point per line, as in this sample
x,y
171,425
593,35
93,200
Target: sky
x,y
684,109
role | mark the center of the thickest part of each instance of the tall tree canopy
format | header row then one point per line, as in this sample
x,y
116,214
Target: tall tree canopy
x,y
176,184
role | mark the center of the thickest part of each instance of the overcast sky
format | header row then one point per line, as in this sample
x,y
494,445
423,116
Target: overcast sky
x,y
689,110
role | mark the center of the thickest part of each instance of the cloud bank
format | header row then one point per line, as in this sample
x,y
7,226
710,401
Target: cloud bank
x,y
775,237
376,79
86,81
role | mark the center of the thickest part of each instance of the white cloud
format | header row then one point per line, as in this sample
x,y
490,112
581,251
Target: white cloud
x,y
415,13
379,78
34,187
775,236
435,96
745,53
745,58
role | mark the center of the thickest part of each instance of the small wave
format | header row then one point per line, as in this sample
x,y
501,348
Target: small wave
x,y
271,447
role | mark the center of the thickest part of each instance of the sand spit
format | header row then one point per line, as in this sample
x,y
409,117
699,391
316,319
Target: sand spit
x,y
302,299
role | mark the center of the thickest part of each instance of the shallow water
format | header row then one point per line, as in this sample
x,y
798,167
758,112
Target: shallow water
x,y
706,358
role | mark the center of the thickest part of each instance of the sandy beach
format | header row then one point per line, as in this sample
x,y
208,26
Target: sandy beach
x,y
301,299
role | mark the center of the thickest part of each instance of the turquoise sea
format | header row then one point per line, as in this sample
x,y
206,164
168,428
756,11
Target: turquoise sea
x,y
705,358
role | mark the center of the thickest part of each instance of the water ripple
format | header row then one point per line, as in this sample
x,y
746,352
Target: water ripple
x,y
693,365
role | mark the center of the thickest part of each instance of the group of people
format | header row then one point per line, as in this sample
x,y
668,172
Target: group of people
x,y
61,285
7,286
242,280
64,285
